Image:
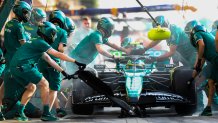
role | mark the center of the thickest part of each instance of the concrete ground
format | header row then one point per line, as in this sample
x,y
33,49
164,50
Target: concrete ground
x,y
110,115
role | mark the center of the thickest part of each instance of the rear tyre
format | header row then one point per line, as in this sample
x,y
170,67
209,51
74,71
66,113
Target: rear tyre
x,y
83,109
80,91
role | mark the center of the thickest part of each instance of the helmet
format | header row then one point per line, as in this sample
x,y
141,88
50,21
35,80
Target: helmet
x,y
47,31
215,24
106,25
70,25
38,15
135,66
197,28
161,20
28,1
57,16
190,25
23,11
126,42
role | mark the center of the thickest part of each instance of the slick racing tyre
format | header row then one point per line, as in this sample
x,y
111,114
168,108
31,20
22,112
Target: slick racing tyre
x,y
80,91
182,87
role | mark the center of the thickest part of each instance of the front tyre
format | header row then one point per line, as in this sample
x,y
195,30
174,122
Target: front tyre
x,y
181,86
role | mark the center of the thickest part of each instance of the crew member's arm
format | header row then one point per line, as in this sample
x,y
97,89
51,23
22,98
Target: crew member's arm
x,y
198,66
151,44
200,48
101,50
51,62
63,43
60,55
173,43
168,54
61,47
200,60
216,40
142,51
112,45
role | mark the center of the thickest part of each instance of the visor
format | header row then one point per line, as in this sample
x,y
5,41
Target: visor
x,y
26,14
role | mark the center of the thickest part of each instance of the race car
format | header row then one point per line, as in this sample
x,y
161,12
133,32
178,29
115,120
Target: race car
x,y
139,84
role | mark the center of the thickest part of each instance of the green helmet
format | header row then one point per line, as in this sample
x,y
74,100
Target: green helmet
x,y
126,42
161,20
47,31
106,25
70,25
57,16
215,24
190,25
23,11
38,15
195,29
28,1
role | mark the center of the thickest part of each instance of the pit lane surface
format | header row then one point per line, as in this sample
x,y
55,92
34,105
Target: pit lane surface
x,y
110,115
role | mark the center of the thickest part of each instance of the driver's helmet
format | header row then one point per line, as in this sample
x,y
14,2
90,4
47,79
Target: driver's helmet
x,y
128,42
23,11
57,16
162,21
38,16
137,45
47,31
106,25
135,66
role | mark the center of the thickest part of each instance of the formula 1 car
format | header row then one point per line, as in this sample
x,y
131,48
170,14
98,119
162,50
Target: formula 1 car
x,y
140,85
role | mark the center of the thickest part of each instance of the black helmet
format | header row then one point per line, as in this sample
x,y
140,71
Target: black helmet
x,y
57,16
47,31
23,11
197,28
